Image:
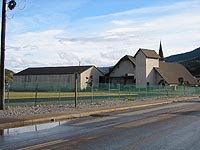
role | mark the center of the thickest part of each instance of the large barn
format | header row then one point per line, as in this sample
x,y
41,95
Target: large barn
x,y
53,77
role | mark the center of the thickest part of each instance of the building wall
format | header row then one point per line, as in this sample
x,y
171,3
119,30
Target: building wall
x,y
94,72
123,68
123,73
44,82
150,72
141,69
55,82
145,73
159,78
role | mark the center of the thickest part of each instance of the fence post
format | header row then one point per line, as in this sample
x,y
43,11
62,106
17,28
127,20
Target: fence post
x,y
8,93
119,90
92,92
76,82
146,90
109,89
167,91
59,90
36,90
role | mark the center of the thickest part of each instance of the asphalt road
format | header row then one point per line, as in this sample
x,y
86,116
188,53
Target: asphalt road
x,y
170,126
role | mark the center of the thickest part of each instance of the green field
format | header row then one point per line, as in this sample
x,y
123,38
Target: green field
x,y
24,95
125,93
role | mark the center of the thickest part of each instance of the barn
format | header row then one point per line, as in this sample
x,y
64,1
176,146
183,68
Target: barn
x,y
50,78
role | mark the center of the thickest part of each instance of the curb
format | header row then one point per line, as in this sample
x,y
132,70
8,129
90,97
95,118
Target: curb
x,y
79,115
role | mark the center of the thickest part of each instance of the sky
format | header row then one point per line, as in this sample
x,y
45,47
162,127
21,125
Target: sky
x,y
43,33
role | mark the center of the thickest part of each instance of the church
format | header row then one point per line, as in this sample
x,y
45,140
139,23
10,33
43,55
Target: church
x,y
147,68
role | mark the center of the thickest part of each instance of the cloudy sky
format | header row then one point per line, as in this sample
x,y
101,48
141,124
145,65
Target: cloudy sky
x,y
97,32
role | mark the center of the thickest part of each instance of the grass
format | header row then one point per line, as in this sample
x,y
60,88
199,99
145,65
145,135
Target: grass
x,y
24,95
96,94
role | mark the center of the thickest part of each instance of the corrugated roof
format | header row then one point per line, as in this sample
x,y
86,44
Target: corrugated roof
x,y
53,70
148,53
171,72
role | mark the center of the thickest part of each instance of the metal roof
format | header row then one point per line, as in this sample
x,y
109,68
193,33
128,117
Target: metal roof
x,y
53,70
148,53
171,72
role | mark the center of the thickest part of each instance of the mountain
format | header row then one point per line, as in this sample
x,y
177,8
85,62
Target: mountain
x,y
193,65
184,56
191,60
105,70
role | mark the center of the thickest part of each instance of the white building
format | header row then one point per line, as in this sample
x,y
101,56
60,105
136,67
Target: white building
x,y
53,77
146,60
148,68
124,71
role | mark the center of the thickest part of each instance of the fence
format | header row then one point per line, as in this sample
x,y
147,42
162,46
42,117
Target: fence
x,y
53,93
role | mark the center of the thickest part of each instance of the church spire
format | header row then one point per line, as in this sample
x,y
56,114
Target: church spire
x,y
161,52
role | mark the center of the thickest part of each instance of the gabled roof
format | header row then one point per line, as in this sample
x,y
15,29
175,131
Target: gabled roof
x,y
125,58
148,53
53,70
129,58
171,72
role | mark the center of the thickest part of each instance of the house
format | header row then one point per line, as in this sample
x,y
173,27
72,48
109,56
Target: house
x,y
124,71
53,77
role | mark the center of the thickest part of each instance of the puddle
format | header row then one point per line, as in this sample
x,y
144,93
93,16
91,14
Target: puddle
x,y
32,128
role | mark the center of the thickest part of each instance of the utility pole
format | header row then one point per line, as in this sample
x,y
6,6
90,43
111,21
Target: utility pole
x,y
2,74
11,5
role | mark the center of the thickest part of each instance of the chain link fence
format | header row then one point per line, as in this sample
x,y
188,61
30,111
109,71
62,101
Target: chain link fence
x,y
39,93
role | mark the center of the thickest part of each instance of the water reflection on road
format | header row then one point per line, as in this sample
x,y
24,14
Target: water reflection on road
x,y
32,128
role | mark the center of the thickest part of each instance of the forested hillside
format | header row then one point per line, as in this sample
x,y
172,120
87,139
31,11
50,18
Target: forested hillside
x,y
193,65
191,60
184,56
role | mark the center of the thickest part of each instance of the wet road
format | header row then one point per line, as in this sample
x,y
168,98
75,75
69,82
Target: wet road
x,y
166,127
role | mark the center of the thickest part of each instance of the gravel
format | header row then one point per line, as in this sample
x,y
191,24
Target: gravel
x,y
25,110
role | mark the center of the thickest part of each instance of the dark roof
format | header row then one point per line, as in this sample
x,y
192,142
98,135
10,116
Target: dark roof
x,y
148,53
125,58
129,58
161,52
53,70
171,72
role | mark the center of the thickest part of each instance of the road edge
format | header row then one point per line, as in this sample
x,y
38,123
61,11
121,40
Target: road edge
x,y
41,120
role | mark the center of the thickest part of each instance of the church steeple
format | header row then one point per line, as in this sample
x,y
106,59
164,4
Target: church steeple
x,y
161,52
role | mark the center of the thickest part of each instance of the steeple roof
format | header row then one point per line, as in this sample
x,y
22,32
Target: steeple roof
x,y
161,52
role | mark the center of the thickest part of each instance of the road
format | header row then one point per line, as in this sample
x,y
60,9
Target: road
x,y
170,126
